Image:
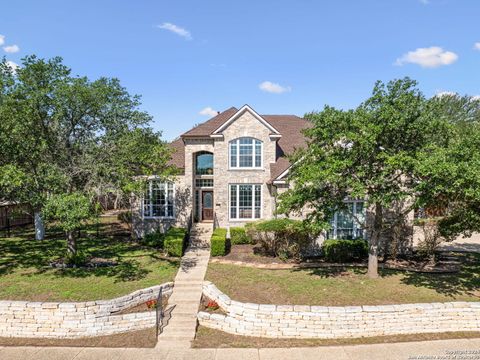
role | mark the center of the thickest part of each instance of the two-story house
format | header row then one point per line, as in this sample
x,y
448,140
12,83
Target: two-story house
x,y
231,169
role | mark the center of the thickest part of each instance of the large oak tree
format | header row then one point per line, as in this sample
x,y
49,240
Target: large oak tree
x,y
62,134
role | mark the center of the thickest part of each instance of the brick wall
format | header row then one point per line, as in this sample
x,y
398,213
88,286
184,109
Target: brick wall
x,y
77,319
300,321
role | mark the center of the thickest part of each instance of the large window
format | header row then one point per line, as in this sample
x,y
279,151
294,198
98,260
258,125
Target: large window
x,y
245,201
349,223
246,153
159,199
204,163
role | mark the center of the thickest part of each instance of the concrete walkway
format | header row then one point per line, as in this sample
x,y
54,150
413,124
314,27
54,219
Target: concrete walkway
x,y
442,349
181,314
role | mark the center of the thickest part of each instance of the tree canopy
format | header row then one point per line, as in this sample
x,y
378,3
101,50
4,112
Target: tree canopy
x,y
65,134
377,152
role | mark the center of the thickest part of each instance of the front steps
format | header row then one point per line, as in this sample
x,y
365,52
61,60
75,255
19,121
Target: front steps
x,y
187,290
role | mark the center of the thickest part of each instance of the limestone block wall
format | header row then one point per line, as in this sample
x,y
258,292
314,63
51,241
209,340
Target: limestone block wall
x,y
301,321
77,319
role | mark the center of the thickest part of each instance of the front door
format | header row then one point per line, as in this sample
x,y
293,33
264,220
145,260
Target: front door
x,y
207,205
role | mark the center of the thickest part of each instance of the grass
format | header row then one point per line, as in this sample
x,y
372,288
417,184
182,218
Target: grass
x,y
134,339
26,274
210,338
344,287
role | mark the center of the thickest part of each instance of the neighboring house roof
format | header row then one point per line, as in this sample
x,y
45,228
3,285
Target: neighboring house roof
x,y
289,126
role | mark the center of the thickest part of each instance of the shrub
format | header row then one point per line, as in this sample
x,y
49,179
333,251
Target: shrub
x,y
345,250
76,259
175,240
239,236
218,242
284,238
154,239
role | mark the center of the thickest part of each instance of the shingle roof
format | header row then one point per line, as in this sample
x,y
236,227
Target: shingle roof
x,y
209,126
289,126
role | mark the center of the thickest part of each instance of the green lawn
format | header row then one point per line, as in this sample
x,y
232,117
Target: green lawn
x,y
25,273
343,287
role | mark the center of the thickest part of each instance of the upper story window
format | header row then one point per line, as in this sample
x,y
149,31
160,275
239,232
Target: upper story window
x,y
204,163
158,200
246,153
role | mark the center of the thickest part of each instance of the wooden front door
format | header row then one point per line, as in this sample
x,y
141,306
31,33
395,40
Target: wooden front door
x,y
207,205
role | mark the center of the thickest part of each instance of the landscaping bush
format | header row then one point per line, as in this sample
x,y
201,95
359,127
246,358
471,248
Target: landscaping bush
x,y
345,250
284,238
154,239
218,242
175,240
239,236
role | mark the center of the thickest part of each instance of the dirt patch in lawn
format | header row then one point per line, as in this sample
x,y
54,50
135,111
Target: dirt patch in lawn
x,y
135,339
251,254
210,338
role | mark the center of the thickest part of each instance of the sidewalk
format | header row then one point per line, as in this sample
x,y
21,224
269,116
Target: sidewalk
x,y
460,349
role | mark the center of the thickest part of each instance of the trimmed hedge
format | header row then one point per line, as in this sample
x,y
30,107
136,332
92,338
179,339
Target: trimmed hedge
x,y
175,240
239,236
345,250
154,239
284,238
218,242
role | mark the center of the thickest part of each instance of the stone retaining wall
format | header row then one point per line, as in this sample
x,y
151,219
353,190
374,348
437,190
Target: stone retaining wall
x,y
300,321
77,319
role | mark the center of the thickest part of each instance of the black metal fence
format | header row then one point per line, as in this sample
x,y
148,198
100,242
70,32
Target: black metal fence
x,y
12,215
159,312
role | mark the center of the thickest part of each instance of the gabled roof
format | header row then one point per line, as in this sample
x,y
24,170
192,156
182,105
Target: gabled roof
x,y
209,126
239,113
290,128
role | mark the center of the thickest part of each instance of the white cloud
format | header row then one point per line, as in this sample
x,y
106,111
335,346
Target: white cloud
x,y
2,39
275,88
208,111
476,97
11,49
440,94
176,30
430,57
476,46
14,66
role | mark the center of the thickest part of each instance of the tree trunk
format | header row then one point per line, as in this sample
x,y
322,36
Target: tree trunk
x,y
39,225
373,242
71,243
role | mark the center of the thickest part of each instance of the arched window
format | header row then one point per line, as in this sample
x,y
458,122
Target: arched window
x,y
245,153
204,163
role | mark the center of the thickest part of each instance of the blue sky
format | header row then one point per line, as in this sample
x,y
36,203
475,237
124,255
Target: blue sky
x,y
281,57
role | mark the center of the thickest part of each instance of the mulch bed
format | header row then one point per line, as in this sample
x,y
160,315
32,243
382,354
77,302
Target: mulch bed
x,y
135,339
248,256
204,302
142,307
210,338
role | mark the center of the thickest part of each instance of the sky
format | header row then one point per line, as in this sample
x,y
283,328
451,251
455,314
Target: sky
x,y
189,59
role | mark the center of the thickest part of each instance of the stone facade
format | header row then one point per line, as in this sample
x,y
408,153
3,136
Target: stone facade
x,y
77,319
245,126
300,321
182,211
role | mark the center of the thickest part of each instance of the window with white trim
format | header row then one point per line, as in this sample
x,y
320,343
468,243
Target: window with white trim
x,y
159,199
245,201
245,153
348,223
